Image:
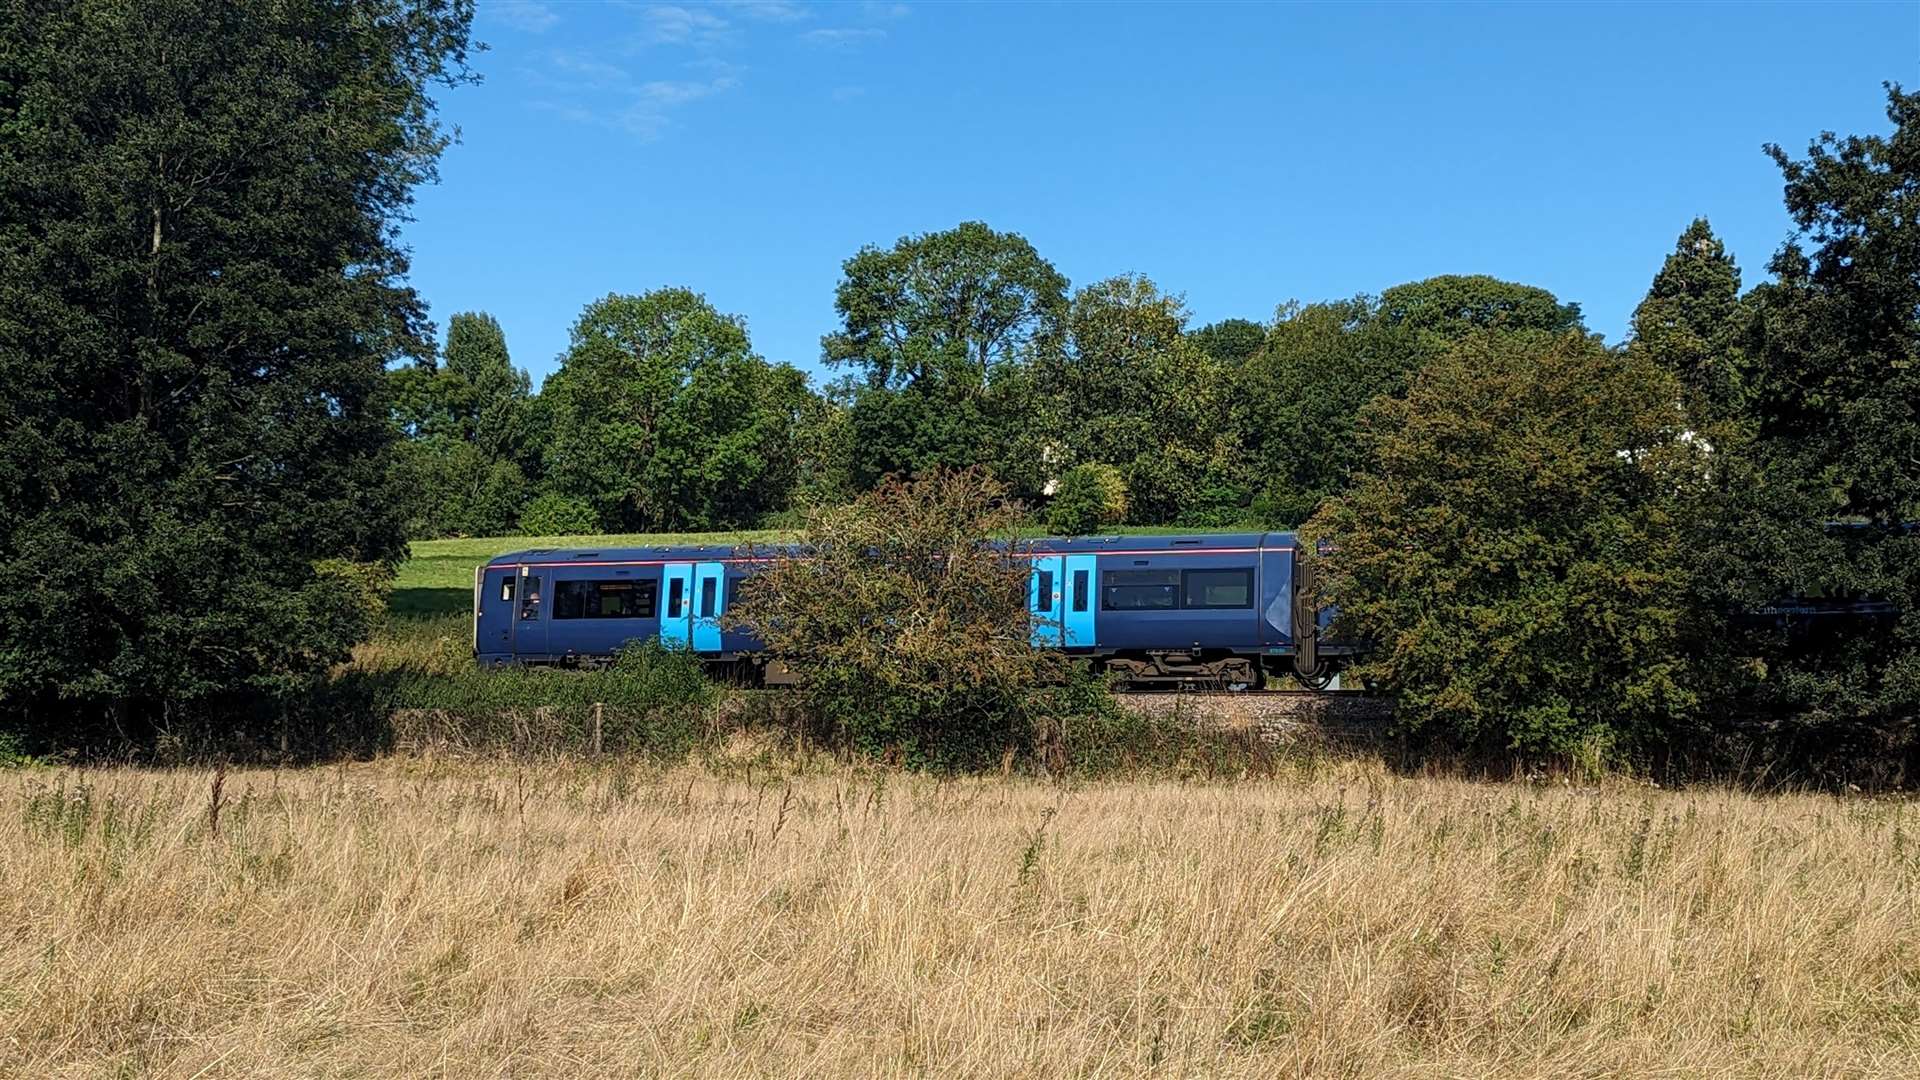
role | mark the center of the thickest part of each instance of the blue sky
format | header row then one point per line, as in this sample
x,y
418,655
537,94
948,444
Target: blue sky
x,y
1240,154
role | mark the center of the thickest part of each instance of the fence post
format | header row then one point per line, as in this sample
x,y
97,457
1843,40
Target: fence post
x,y
598,707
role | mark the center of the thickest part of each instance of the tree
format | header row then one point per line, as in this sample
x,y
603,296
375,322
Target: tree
x,y
465,423
1448,308
1230,341
1515,548
1091,497
941,329
202,291
1132,389
662,416
1691,321
1296,402
1833,391
907,626
497,391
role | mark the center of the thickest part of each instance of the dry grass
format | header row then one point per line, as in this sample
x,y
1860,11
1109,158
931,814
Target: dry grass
x,y
410,918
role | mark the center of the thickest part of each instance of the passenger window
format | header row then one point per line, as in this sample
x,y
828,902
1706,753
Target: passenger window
x,y
570,599
1140,590
1219,588
677,598
530,603
1046,590
506,588
1079,590
707,588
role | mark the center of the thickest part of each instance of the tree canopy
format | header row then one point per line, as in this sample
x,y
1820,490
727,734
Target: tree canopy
x,y
1513,548
201,293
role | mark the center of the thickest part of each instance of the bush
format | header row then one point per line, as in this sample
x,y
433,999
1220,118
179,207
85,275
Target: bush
x,y
1090,497
554,514
907,626
1516,548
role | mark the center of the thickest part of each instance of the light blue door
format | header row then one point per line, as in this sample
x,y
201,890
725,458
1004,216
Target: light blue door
x,y
676,605
1078,605
1043,600
710,601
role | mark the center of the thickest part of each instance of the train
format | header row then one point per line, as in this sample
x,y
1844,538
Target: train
x,y
1223,610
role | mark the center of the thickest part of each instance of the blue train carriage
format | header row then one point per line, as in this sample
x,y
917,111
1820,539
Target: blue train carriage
x,y
569,606
1216,610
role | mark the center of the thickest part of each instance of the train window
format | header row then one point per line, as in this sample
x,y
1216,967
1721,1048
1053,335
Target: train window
x,y
707,589
1140,590
570,599
623,600
1079,590
506,588
1045,592
604,599
1219,588
677,598
530,603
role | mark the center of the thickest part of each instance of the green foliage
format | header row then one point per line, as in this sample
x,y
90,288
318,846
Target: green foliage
x,y
1230,341
650,700
662,417
1091,497
454,489
1691,321
1833,397
1515,549
554,514
1296,403
940,331
907,627
201,296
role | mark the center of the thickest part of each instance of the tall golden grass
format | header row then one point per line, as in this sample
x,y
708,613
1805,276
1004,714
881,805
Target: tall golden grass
x,y
427,918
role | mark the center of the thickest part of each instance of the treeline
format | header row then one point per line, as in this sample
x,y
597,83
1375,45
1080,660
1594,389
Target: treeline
x,y
222,413
956,349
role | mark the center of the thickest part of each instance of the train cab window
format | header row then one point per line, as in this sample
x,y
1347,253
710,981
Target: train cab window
x,y
677,598
1218,588
530,601
1140,590
1079,590
506,588
707,591
1045,591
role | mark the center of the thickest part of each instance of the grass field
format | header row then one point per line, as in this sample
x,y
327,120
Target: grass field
x,y
423,918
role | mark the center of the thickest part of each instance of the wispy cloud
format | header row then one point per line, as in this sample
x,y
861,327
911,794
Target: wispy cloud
x,y
528,15
672,24
586,89
649,114
783,11
842,37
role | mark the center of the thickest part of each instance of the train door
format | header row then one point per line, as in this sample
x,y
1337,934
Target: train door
x,y
1077,608
530,613
493,610
676,605
710,596
1043,601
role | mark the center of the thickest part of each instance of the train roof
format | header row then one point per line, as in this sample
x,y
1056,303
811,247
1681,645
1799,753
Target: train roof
x,y
1076,545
